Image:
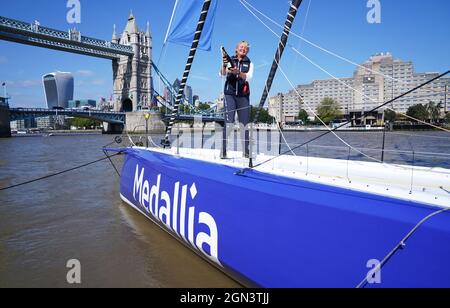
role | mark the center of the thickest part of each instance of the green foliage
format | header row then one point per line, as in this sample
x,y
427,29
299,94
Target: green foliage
x,y
84,123
303,116
419,112
264,116
434,111
447,118
183,109
203,106
390,116
163,110
328,110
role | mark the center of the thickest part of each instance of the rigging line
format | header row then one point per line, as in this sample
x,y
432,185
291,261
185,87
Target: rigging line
x,y
322,48
61,172
130,139
285,141
153,142
171,21
427,95
267,89
401,245
112,163
163,51
342,125
198,33
293,87
364,95
336,127
317,116
332,131
421,154
162,54
293,10
303,32
417,135
420,121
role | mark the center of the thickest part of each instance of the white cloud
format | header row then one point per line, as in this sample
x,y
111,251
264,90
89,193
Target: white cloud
x,y
99,82
200,77
27,83
84,73
263,64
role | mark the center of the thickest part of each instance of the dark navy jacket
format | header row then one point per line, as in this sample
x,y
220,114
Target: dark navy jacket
x,y
236,86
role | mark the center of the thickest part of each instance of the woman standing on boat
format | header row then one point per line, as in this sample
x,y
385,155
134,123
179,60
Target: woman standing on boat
x,y
237,93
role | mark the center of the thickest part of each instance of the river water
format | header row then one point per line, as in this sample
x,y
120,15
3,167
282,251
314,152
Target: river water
x,y
79,215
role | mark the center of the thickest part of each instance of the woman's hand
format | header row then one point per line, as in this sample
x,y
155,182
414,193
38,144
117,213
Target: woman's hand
x,y
233,71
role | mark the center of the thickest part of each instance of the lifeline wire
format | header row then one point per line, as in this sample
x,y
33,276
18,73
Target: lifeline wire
x,y
400,245
331,131
293,48
61,172
336,128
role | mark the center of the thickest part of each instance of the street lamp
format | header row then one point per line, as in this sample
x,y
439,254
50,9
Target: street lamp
x,y
4,92
147,117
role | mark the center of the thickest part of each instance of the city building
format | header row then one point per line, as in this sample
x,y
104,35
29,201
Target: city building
x,y
366,90
24,124
220,103
276,108
45,122
105,105
132,77
59,88
195,99
188,93
82,103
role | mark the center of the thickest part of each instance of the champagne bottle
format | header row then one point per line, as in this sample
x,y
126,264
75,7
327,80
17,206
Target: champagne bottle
x,y
226,58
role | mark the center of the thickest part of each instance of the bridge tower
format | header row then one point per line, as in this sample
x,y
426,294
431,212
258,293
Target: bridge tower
x,y
132,75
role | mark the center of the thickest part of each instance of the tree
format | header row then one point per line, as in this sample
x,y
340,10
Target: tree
x,y
264,116
184,108
163,110
390,116
419,112
303,116
203,106
447,118
84,123
328,110
434,111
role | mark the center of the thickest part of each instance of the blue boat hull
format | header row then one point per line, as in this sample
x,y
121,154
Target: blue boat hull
x,y
272,231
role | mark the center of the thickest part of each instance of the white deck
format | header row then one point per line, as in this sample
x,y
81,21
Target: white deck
x,y
420,184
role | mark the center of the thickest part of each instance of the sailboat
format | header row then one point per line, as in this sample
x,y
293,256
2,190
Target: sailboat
x,y
291,221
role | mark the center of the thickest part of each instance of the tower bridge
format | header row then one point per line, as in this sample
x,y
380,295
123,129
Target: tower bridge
x,y
131,56
130,53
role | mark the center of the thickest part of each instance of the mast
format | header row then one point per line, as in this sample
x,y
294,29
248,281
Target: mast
x,y
198,33
281,46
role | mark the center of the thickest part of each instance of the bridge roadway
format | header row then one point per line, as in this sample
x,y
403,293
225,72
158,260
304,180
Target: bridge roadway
x,y
104,116
206,118
72,41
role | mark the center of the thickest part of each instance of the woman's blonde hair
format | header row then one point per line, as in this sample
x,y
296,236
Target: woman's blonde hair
x,y
247,44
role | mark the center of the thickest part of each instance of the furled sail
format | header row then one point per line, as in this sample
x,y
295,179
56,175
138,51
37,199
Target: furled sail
x,y
184,23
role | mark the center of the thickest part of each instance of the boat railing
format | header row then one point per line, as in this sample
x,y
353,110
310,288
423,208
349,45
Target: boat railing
x,y
195,138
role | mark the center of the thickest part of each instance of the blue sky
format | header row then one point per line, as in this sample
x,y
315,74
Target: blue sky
x,y
410,29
